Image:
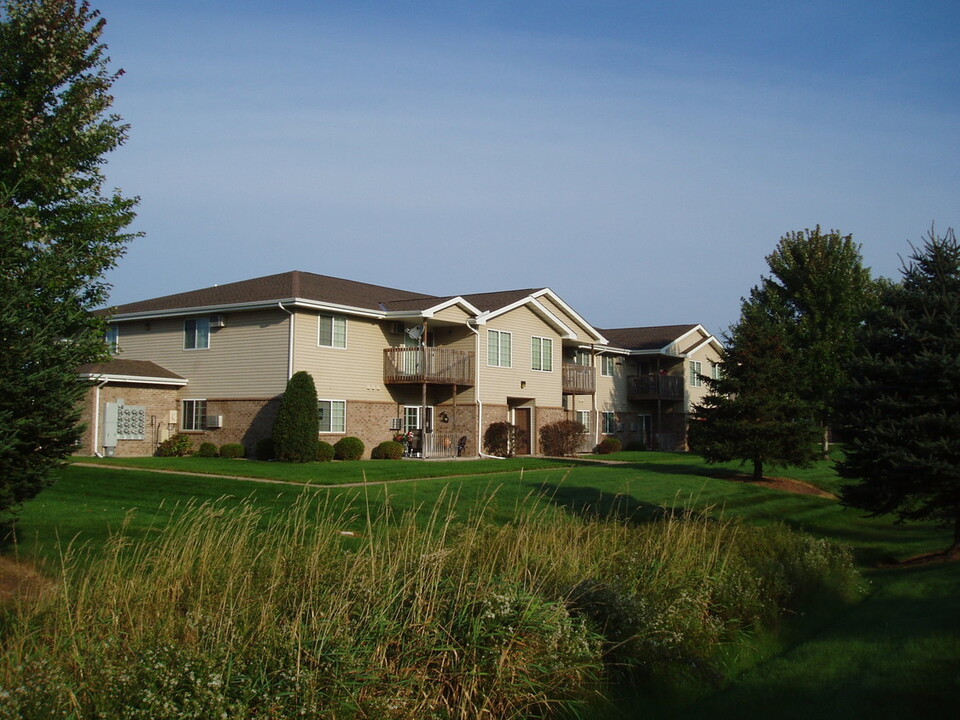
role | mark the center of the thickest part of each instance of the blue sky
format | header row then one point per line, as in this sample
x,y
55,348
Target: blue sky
x,y
639,158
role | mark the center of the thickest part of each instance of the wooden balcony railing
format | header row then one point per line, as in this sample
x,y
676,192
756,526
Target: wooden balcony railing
x,y
655,387
439,366
578,379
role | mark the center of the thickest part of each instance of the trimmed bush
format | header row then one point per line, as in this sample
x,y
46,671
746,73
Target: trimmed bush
x,y
232,450
325,451
207,449
298,421
609,445
265,449
179,445
387,450
562,437
348,448
500,438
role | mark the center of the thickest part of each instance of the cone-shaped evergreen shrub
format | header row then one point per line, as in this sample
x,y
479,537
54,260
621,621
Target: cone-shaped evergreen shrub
x,y
297,425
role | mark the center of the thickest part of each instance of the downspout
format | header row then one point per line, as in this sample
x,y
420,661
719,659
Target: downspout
x,y
96,417
476,394
290,348
593,403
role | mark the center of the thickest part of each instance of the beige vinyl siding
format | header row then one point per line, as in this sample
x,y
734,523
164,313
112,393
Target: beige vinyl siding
x,y
246,358
582,335
612,389
454,314
351,373
499,383
706,356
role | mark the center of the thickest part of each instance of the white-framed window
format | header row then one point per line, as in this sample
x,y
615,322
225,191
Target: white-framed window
x,y
581,357
716,372
609,422
113,339
499,348
332,415
583,417
332,331
541,354
695,369
411,418
608,365
196,333
194,414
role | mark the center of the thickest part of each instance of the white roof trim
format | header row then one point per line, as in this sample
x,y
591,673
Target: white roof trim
x,y
138,379
706,341
572,313
430,312
258,305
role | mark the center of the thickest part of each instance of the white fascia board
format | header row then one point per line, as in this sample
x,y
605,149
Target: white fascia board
x,y
591,330
539,309
697,328
610,350
147,380
665,351
430,312
707,341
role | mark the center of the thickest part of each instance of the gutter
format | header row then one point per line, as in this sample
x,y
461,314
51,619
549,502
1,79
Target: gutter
x,y
476,392
96,416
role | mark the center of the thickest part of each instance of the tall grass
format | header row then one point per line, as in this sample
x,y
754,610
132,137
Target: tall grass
x,y
428,614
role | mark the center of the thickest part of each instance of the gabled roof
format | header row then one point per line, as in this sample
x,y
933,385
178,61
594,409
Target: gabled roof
x,y
130,371
284,287
646,338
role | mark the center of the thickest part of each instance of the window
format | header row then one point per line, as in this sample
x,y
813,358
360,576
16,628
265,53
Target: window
x,y
695,379
411,418
332,331
498,348
716,372
583,417
541,354
196,333
609,423
581,357
608,364
333,415
113,339
194,414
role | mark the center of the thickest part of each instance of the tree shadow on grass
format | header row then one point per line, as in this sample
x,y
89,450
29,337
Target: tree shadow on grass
x,y
593,504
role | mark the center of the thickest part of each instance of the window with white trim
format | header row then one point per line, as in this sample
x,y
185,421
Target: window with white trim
x,y
541,354
608,365
609,422
695,369
113,339
194,415
583,417
196,333
332,415
716,372
581,357
499,348
332,331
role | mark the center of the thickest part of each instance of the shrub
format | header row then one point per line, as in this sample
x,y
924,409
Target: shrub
x,y
177,446
233,450
298,421
265,449
562,437
609,445
388,450
325,451
348,448
500,438
207,449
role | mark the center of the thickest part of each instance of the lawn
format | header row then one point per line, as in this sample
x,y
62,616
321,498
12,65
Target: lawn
x,y
892,655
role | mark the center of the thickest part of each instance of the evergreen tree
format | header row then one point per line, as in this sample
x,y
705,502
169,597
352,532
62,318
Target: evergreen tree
x,y
901,412
753,412
297,427
818,289
58,232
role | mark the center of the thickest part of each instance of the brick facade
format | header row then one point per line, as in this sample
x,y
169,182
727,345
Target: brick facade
x,y
158,401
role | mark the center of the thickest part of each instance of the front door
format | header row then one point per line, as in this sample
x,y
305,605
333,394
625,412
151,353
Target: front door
x,y
522,419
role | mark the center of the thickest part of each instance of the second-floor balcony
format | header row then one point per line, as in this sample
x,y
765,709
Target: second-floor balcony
x,y
655,387
579,379
432,365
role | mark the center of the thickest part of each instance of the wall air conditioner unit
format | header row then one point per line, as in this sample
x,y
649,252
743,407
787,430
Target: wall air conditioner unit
x,y
395,328
214,422
217,321
396,423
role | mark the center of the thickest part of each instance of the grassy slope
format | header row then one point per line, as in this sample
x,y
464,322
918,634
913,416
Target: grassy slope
x,y
893,655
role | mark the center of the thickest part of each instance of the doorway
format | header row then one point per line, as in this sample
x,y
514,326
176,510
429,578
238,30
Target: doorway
x,y
522,418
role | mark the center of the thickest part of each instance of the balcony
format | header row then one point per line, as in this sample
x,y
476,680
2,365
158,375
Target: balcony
x,y
655,387
578,380
435,366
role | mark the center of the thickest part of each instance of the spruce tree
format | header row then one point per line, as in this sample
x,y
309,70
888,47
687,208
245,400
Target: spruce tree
x,y
901,412
297,427
58,232
753,412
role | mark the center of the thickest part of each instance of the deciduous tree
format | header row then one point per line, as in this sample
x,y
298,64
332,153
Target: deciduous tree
x,y
58,231
901,411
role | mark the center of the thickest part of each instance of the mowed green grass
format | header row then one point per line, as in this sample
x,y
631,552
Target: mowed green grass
x,y
896,654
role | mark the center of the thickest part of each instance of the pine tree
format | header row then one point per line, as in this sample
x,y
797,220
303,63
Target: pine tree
x,y
901,412
297,427
58,232
753,412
